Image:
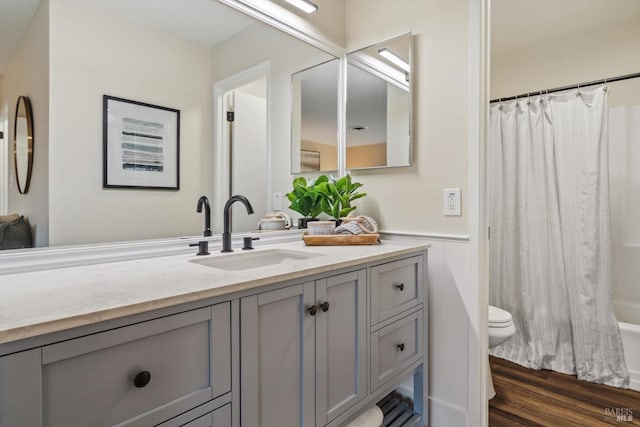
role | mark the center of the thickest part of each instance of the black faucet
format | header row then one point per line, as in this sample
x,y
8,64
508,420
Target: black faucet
x,y
226,234
207,215
203,245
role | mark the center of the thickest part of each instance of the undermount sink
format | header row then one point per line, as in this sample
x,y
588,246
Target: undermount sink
x,y
248,260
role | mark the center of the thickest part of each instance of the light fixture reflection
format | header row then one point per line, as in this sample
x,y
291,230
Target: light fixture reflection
x,y
395,59
304,5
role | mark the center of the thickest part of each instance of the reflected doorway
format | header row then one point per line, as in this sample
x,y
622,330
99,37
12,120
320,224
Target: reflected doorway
x,y
4,162
246,116
242,150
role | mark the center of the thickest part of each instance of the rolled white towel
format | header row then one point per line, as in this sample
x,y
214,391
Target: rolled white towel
x,y
372,417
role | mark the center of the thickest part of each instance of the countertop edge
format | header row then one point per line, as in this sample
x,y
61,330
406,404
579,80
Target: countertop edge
x,y
69,322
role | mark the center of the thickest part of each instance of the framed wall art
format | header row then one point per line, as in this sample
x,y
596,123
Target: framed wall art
x,y
141,145
309,161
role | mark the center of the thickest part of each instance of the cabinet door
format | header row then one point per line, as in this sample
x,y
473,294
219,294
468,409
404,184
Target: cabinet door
x,y
21,389
340,344
277,360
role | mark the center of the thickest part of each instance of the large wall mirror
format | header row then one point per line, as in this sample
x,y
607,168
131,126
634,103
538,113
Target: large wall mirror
x,y
23,143
140,51
378,112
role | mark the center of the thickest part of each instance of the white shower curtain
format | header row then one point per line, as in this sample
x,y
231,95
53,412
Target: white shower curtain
x,y
550,245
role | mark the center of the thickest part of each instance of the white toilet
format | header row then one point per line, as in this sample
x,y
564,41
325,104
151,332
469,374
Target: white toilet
x,y
501,328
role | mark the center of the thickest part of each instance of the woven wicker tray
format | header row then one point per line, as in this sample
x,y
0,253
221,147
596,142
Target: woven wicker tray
x,y
341,239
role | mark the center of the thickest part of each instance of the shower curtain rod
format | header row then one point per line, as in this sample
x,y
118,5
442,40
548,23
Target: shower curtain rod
x,y
579,85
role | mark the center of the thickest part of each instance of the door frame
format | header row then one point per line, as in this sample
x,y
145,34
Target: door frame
x,y
5,171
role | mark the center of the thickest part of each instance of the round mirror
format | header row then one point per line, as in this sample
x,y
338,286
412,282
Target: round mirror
x,y
23,143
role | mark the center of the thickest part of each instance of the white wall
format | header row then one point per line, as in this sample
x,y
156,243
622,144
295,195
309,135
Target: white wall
x,y
27,74
410,199
605,52
449,320
94,53
624,183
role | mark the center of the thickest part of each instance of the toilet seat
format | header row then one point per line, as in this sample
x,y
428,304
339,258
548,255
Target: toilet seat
x,y
499,318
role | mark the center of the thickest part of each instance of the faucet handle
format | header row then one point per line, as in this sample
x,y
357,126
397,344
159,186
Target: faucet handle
x,y
203,247
248,242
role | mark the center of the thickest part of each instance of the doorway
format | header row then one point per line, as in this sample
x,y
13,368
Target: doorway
x,y
242,145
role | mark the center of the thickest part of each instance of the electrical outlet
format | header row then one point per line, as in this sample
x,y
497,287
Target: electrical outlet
x,y
276,201
451,202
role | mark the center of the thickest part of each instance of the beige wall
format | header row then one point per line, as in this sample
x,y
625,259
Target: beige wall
x,y
370,155
94,53
27,74
328,154
585,57
410,199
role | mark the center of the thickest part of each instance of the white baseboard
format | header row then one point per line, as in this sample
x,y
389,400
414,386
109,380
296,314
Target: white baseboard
x,y
442,414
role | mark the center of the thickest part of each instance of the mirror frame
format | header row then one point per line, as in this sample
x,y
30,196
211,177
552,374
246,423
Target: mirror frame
x,y
30,142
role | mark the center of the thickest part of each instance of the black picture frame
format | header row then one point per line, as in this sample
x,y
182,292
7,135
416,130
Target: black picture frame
x,y
141,145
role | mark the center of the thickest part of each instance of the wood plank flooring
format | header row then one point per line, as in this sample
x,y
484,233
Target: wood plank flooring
x,y
525,397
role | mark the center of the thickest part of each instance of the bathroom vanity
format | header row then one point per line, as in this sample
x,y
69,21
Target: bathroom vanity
x,y
283,335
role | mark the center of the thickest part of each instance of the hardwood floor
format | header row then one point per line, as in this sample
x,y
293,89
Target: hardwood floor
x,y
525,397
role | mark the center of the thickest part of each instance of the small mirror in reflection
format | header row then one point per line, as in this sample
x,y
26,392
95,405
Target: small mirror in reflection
x,y
23,143
379,105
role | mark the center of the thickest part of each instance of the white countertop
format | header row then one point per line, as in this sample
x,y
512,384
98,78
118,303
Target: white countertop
x,y
41,302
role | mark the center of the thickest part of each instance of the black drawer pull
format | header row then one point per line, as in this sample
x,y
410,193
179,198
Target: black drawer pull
x,y
399,286
142,379
400,346
312,310
325,306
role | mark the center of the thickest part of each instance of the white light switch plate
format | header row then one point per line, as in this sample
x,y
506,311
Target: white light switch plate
x,y
451,202
276,201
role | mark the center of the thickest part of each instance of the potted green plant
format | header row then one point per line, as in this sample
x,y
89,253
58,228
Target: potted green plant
x,y
305,199
336,196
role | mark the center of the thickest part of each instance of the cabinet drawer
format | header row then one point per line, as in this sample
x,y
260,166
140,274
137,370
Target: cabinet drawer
x,y
395,347
92,380
395,287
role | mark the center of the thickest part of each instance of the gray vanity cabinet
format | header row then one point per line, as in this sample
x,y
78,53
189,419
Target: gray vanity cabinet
x,y
303,352
341,339
137,375
21,389
310,354
277,339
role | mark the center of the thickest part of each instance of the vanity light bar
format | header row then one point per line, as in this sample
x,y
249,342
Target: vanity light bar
x,y
395,59
304,5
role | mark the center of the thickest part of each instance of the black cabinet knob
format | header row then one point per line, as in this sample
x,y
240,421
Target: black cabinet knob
x,y
142,379
400,346
325,306
312,310
399,286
